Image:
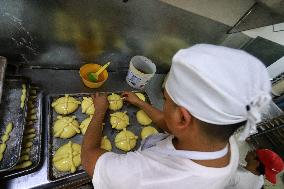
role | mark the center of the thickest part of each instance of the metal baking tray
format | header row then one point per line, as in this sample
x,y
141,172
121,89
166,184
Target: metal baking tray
x,y
36,149
55,143
10,111
3,65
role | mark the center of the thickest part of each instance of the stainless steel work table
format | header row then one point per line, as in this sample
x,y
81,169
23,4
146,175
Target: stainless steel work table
x,y
68,81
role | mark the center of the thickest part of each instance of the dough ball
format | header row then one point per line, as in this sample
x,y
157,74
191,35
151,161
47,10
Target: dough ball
x,y
105,144
67,157
4,138
65,127
2,147
141,96
115,102
65,105
9,128
84,125
143,118
147,131
23,165
88,106
119,120
125,140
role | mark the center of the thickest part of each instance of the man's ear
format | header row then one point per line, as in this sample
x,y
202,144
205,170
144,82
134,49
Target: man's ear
x,y
185,118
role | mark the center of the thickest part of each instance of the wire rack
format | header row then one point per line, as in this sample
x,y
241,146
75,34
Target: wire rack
x,y
270,135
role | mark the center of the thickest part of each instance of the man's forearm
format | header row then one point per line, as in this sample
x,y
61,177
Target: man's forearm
x,y
93,135
155,114
91,151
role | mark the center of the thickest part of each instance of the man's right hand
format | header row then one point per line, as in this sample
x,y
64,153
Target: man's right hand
x,y
100,103
132,98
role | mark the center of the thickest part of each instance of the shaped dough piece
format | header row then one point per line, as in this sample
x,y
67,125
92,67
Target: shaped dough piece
x,y
4,139
143,118
26,150
141,96
23,165
24,95
119,120
67,157
2,147
28,144
88,106
32,117
125,140
65,105
24,158
115,102
147,131
84,124
66,127
29,131
105,144
9,128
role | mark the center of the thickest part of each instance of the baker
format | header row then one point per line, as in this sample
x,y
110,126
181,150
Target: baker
x,y
211,92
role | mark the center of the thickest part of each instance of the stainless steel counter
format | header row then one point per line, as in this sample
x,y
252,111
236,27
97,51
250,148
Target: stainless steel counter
x,y
68,81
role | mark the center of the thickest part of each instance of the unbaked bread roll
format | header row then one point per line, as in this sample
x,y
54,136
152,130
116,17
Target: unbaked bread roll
x,y
143,118
119,120
105,144
88,106
147,131
2,147
115,102
66,127
9,128
125,140
23,165
84,124
141,96
67,157
28,145
65,105
24,95
4,139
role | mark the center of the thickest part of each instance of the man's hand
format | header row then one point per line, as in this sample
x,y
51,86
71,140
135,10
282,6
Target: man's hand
x,y
155,114
100,102
252,162
132,98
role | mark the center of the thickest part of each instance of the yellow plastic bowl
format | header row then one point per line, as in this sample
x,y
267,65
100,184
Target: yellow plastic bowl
x,y
85,69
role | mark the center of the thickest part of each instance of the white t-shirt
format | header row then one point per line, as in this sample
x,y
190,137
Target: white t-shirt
x,y
244,179
148,169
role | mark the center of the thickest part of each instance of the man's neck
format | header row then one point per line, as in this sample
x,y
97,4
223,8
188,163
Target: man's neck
x,y
198,144
202,145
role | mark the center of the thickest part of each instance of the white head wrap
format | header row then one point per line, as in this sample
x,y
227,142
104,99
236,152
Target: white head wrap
x,y
220,85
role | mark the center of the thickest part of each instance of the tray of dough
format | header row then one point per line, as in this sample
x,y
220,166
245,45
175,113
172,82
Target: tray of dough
x,y
69,116
13,111
31,153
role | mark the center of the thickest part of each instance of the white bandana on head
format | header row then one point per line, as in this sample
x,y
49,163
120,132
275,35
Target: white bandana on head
x,y
220,85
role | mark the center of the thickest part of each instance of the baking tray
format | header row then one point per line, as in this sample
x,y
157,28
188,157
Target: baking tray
x,y
55,143
3,65
36,149
10,111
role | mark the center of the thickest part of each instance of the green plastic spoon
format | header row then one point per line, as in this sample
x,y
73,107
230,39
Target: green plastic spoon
x,y
95,76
